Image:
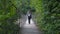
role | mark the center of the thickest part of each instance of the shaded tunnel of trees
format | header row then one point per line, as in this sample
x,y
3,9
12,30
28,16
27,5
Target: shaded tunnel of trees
x,y
46,12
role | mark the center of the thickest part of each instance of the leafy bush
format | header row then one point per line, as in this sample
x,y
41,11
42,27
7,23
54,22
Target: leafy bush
x,y
8,15
47,15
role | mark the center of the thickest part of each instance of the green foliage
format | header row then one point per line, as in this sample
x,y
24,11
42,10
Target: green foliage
x,y
47,15
52,17
8,14
24,6
8,28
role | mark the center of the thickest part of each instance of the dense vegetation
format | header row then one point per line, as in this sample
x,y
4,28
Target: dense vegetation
x,y
47,15
11,11
52,16
8,14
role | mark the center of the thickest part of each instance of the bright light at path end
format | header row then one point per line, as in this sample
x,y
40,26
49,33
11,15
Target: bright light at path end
x,y
31,22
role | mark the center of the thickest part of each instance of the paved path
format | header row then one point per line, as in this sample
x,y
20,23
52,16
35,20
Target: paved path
x,y
30,28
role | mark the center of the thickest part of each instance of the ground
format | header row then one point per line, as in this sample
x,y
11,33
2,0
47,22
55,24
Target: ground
x,y
27,28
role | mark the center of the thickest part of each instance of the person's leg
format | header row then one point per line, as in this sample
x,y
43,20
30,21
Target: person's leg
x,y
29,20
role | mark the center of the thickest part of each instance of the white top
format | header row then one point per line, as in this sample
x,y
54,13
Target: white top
x,y
29,14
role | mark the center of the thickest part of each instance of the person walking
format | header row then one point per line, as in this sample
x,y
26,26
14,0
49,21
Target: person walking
x,y
29,17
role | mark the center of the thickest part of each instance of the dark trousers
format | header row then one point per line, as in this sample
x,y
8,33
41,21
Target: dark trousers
x,y
29,18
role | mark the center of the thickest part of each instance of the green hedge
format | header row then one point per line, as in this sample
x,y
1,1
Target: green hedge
x,y
8,14
47,15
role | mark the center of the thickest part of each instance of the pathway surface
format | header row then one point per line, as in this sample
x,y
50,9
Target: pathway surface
x,y
30,28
